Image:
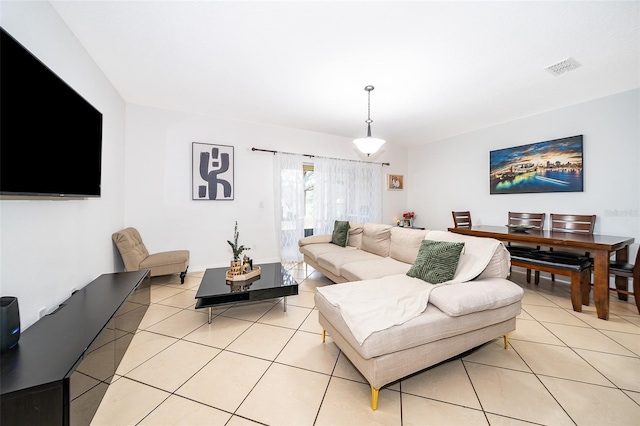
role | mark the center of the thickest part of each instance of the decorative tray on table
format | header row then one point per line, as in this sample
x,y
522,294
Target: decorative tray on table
x,y
255,272
521,228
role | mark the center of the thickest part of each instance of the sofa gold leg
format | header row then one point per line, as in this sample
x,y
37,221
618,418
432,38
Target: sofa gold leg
x,y
324,334
506,341
374,398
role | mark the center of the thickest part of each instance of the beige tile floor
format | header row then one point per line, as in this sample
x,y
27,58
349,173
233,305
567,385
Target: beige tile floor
x,y
256,364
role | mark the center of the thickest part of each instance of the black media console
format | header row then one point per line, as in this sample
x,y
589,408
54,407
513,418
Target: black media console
x,y
63,364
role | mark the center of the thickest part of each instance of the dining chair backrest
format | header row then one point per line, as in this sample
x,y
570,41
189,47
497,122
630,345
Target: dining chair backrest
x,y
629,270
461,219
625,269
526,219
577,223
636,268
636,276
529,219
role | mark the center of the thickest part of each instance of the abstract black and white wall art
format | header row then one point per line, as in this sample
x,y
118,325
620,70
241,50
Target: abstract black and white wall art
x,y
212,172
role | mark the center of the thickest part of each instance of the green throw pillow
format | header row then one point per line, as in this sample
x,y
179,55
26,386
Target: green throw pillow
x,y
436,261
340,233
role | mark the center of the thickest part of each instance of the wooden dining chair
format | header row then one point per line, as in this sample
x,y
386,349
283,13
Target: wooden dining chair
x,y
574,223
577,223
526,219
461,219
629,270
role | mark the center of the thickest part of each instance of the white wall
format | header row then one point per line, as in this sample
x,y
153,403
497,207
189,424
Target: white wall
x,y
453,173
158,182
47,246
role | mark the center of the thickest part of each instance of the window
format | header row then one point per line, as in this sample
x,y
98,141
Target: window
x,y
313,196
345,190
309,183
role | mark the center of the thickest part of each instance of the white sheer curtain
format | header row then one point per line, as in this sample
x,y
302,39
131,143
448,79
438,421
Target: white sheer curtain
x,y
289,204
346,190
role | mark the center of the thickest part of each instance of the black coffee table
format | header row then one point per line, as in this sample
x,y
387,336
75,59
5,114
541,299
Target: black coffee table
x,y
273,281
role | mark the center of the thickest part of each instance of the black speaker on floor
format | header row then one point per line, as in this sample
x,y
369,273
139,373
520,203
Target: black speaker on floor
x,y
9,322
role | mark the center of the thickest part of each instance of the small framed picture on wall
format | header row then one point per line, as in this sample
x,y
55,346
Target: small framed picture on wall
x,y
395,182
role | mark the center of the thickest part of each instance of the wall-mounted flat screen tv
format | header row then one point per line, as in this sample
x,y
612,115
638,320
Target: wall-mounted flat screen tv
x,y
550,166
50,136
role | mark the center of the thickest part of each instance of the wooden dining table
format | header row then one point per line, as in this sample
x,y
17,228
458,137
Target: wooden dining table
x,y
601,247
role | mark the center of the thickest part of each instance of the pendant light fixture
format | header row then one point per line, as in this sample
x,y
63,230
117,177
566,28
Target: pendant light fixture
x,y
368,145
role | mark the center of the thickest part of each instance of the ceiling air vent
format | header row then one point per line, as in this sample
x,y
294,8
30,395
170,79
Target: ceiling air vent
x,y
568,64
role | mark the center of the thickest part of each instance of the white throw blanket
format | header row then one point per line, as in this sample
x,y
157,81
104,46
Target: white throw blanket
x,y
375,305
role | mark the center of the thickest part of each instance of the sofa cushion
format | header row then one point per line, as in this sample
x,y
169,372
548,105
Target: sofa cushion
x,y
374,268
376,238
460,299
340,233
437,261
500,264
355,235
405,244
333,261
316,250
314,239
478,253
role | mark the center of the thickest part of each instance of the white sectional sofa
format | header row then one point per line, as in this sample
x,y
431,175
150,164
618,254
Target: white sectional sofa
x,y
373,251
391,325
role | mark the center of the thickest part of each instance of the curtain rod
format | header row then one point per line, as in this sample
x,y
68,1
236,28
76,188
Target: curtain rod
x,y
311,156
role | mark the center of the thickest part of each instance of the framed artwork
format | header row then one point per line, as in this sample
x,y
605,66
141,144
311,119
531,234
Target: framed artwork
x,y
395,182
212,172
550,166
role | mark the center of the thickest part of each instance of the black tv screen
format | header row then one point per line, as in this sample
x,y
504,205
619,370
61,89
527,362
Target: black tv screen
x,y
50,136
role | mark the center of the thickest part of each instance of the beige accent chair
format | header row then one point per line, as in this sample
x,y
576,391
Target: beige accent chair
x,y
136,256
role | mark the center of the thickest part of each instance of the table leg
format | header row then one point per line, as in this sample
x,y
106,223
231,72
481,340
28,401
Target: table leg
x,y
285,303
210,315
622,283
601,283
576,290
585,286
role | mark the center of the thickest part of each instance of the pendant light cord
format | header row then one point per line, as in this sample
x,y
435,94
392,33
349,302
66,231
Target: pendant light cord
x,y
369,107
368,144
369,120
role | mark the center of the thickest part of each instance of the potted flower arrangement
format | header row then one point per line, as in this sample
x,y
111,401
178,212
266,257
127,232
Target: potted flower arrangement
x,y
236,263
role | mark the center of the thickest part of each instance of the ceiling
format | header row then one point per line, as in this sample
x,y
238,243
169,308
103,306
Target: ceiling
x,y
439,68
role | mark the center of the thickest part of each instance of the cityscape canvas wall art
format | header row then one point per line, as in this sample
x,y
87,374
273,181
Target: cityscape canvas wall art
x,y
212,172
550,166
